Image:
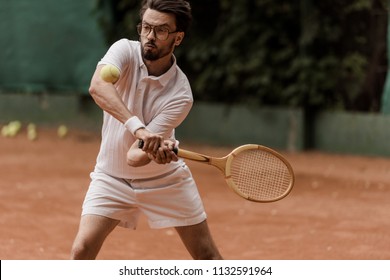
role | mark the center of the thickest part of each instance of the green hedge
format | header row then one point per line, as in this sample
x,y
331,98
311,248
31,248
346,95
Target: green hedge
x,y
310,54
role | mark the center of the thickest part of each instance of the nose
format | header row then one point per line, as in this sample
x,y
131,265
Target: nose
x,y
152,34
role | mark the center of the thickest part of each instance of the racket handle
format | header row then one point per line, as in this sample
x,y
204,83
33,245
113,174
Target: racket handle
x,y
141,145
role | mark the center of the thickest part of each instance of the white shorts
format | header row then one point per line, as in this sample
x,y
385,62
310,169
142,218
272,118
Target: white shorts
x,y
170,200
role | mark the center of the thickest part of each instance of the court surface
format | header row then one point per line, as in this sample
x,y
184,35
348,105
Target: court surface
x,y
339,208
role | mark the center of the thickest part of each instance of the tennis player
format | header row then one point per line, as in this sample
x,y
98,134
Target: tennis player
x,y
150,99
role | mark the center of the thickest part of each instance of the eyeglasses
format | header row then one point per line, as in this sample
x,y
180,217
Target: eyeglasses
x,y
160,32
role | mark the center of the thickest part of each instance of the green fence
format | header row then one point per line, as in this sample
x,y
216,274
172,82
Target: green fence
x,y
47,45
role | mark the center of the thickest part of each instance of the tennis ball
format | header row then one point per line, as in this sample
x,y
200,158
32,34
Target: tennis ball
x,y
5,131
62,131
14,128
12,131
32,133
16,124
110,73
31,126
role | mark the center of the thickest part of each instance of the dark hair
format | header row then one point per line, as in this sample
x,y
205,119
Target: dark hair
x,y
181,9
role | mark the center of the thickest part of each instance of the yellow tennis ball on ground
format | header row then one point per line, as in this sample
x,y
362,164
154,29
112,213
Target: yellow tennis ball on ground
x,y
5,131
110,73
14,128
32,133
16,124
62,131
31,126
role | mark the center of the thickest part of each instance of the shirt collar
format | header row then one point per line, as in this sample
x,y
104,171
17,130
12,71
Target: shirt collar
x,y
164,78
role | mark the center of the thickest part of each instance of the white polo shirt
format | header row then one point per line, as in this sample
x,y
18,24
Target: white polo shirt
x,y
161,103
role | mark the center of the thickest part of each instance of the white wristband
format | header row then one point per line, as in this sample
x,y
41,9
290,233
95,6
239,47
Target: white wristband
x,y
133,124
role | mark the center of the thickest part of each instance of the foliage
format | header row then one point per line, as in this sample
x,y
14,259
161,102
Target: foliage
x,y
307,53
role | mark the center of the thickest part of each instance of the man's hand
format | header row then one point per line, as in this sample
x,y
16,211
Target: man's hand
x,y
164,153
152,141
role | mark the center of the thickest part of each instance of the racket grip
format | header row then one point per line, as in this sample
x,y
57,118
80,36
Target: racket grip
x,y
141,145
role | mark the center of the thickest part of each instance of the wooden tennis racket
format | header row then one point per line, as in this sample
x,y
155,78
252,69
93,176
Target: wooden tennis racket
x,y
256,173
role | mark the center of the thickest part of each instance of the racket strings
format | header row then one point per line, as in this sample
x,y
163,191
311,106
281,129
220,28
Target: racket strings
x,y
260,175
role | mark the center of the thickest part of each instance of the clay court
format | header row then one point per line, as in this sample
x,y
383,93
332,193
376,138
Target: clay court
x,y
338,209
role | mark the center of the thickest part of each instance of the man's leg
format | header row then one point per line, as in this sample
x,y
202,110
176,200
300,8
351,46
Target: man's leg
x,y
198,241
93,230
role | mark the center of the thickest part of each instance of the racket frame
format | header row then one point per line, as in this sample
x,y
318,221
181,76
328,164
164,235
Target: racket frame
x,y
228,177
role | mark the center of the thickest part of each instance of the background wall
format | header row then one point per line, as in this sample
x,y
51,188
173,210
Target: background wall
x,y
48,45
49,52
218,124
288,129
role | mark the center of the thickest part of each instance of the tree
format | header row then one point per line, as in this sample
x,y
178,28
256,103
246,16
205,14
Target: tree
x,y
311,54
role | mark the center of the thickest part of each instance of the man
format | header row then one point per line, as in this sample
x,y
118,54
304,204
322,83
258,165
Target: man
x,y
150,99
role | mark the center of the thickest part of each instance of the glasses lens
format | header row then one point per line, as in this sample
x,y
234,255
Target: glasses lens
x,y
145,30
161,33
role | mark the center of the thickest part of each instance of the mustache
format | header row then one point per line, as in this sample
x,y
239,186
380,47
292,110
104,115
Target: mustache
x,y
150,43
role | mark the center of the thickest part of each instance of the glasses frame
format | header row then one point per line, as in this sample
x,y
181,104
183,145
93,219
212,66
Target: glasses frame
x,y
152,27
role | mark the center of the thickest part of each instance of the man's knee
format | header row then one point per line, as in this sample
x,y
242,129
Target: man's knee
x,y
78,250
81,250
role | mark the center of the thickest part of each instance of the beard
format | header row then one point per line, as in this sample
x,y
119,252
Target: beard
x,y
152,53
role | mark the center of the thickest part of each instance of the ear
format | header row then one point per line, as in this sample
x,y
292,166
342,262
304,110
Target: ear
x,y
179,38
